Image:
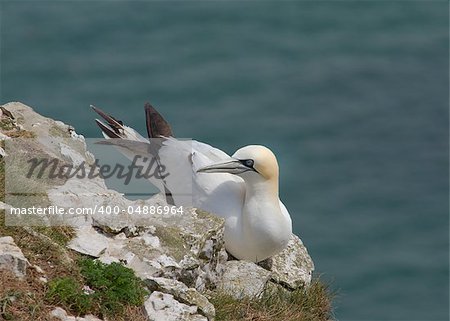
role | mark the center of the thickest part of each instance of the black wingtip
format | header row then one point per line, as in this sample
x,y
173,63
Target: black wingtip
x,y
108,131
157,126
98,110
116,125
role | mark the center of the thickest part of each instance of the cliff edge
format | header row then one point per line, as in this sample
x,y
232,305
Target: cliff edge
x,y
179,261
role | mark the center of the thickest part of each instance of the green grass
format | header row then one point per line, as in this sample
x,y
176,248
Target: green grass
x,y
67,292
114,287
276,303
59,234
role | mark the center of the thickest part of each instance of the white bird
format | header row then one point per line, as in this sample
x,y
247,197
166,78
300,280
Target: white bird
x,y
243,188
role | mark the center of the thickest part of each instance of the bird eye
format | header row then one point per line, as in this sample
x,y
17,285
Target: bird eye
x,y
249,162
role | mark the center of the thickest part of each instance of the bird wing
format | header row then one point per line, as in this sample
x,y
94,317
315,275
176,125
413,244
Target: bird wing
x,y
285,212
222,194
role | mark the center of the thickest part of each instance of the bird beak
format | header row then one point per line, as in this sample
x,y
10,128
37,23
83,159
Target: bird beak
x,y
233,166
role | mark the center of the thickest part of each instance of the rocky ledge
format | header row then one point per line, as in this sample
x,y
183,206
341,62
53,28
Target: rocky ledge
x,y
181,258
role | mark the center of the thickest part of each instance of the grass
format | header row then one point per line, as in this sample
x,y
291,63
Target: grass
x,y
32,300
112,288
21,300
305,304
68,293
59,234
27,299
28,295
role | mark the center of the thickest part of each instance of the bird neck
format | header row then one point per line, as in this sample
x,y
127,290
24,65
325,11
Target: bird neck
x,y
262,189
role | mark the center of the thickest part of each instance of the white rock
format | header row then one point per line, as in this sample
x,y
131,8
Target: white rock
x,y
59,313
292,267
62,315
129,257
12,258
151,240
71,154
161,306
108,259
89,241
183,294
243,279
61,124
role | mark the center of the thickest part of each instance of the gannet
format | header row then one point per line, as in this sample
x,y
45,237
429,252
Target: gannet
x,y
243,188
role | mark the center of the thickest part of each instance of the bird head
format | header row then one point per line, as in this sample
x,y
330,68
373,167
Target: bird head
x,y
249,162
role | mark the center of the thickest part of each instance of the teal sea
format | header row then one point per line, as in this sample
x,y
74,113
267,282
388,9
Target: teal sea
x,y
351,96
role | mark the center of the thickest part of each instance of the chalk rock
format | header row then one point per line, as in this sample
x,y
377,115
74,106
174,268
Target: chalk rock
x,y
293,267
187,247
162,306
243,279
183,294
12,258
61,314
89,241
